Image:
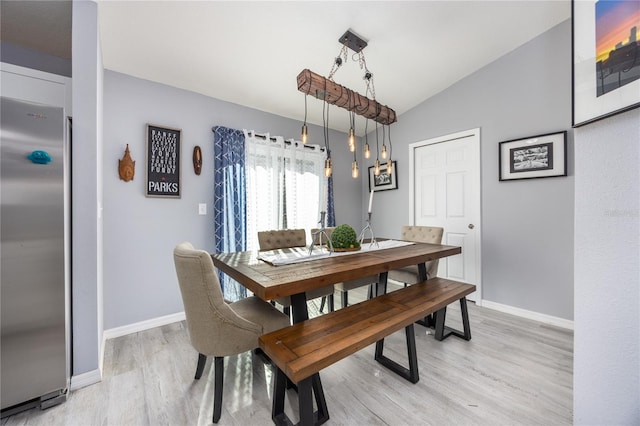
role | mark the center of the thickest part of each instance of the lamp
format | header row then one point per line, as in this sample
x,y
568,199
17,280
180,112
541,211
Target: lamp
x,y
332,93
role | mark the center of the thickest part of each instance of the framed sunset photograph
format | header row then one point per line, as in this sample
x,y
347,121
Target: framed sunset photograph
x,y
606,58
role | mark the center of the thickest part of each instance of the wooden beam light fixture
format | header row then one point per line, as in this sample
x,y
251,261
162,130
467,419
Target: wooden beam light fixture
x,y
330,92
336,94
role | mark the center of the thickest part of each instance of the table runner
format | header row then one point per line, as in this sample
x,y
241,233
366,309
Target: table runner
x,y
301,254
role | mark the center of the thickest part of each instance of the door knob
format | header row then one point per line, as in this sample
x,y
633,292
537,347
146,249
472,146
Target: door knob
x,y
471,226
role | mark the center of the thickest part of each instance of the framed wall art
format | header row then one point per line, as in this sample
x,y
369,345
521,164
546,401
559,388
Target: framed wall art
x,y
384,180
163,162
606,58
533,157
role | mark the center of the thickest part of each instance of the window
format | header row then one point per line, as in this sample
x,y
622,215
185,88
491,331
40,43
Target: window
x,y
283,185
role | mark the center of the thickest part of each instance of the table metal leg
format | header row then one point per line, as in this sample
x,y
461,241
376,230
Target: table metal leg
x,y
299,307
381,286
427,321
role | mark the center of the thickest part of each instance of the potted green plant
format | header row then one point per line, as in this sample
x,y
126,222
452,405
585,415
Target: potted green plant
x,y
344,238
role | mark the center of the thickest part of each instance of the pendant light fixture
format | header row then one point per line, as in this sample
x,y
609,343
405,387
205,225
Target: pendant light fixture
x,y
332,93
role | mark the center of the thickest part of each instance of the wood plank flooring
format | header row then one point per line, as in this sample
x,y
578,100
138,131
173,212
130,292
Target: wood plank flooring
x,y
513,372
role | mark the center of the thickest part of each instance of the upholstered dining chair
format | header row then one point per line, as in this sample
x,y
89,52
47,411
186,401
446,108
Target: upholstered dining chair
x,y
217,328
344,287
287,238
419,234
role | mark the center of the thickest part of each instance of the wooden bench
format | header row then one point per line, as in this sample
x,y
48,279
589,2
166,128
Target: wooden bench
x,y
303,349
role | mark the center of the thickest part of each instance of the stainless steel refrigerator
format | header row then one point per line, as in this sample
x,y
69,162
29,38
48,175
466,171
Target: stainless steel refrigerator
x,y
34,286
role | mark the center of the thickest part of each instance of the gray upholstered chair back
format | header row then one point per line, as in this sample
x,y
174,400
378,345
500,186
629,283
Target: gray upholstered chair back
x,y
285,238
424,234
214,328
321,239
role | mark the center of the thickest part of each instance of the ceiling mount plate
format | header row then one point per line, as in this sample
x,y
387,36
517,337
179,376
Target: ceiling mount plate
x,y
353,41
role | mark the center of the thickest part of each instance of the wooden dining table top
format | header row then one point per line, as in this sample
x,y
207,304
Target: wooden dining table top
x,y
271,282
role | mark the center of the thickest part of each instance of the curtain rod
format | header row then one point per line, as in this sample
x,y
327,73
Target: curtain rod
x,y
272,139
286,141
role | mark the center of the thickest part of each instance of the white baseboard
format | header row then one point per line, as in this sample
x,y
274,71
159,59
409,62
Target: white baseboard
x,y
536,316
142,325
85,379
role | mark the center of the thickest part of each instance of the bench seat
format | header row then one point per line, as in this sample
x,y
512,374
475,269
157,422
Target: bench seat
x,y
301,350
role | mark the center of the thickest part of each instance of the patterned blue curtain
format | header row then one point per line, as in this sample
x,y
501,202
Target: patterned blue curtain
x,y
331,212
229,204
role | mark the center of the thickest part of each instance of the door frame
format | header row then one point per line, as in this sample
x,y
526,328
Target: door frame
x,y
476,188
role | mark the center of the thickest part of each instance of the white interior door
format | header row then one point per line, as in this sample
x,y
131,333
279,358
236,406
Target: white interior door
x,y
445,188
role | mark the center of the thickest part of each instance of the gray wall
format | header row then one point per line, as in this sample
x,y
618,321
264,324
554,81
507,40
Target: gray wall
x,y
527,225
140,233
607,272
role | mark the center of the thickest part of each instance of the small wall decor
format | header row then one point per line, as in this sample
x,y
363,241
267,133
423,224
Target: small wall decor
x,y
197,160
126,166
384,180
163,162
606,58
534,157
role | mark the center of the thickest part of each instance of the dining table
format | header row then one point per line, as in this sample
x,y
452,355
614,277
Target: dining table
x,y
270,280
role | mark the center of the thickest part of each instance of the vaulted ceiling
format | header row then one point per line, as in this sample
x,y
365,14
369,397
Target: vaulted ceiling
x,y
250,52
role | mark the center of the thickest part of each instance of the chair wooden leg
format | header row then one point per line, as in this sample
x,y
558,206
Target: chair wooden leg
x,y
331,303
324,299
202,359
217,391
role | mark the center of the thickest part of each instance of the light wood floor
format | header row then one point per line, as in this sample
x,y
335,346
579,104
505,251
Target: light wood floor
x,y
513,372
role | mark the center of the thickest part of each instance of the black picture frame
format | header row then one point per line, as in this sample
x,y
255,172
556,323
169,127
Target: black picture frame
x,y
384,181
163,162
533,157
605,78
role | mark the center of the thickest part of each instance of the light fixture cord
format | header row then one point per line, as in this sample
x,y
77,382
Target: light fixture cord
x,y
377,148
389,130
325,121
305,106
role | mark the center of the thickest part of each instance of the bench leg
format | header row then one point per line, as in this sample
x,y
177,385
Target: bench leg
x,y
411,374
442,331
307,388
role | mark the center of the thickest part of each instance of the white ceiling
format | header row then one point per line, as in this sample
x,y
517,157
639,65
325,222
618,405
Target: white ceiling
x,y
250,52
